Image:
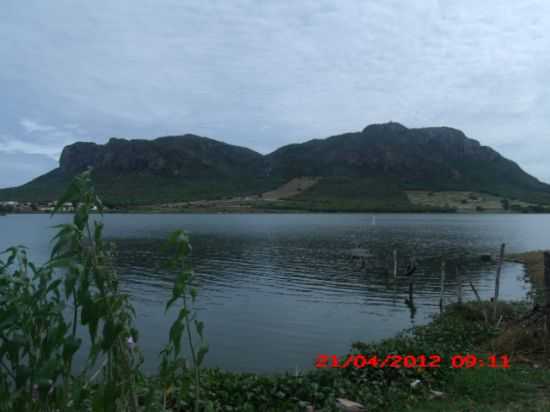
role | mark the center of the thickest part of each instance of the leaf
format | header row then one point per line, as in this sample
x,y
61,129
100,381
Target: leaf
x,y
173,237
203,350
54,285
180,241
183,314
99,204
98,230
110,333
22,373
72,192
71,345
13,252
90,315
81,217
170,302
61,247
200,327
175,335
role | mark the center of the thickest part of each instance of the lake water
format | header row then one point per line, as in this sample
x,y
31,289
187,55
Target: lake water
x,y
276,290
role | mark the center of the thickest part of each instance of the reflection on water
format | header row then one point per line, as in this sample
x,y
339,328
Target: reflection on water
x,y
277,290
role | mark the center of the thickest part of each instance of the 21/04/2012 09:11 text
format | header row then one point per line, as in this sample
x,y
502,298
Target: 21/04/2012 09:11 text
x,y
411,361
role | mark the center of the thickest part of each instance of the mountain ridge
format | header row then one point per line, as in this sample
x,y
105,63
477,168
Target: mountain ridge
x,y
190,167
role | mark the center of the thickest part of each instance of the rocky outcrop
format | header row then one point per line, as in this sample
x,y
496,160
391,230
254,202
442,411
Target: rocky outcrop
x,y
187,155
195,167
428,158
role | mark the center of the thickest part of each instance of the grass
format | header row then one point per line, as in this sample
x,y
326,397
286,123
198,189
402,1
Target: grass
x,y
534,263
314,194
142,189
459,330
375,191
522,387
519,389
352,194
291,188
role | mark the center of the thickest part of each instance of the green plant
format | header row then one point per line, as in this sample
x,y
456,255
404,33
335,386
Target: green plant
x,y
36,343
46,311
91,283
186,293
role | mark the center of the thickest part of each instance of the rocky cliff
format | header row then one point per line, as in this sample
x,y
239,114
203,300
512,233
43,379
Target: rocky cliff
x,y
174,156
191,167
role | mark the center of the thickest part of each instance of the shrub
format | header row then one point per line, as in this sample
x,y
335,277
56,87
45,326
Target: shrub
x,y
41,309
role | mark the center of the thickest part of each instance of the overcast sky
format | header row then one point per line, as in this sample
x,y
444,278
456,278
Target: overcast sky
x,y
266,73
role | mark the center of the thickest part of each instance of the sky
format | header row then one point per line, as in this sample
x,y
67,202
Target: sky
x,y
263,74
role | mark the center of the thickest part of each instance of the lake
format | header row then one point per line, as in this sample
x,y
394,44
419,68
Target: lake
x,y
276,290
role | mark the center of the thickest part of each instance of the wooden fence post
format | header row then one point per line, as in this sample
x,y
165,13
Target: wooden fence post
x,y
442,286
458,286
395,263
483,310
497,280
410,274
547,289
410,300
412,269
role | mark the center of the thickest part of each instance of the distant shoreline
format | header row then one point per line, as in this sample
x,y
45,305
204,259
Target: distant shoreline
x,y
294,198
284,211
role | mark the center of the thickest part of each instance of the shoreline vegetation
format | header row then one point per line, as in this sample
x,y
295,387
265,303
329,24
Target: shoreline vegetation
x,y
258,205
153,209
533,262
343,195
38,344
246,210
310,195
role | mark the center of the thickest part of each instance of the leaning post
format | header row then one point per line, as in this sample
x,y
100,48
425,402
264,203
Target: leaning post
x,y
458,286
547,289
395,263
411,295
497,280
442,286
412,266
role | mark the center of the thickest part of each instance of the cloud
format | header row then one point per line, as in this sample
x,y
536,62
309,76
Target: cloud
x,y
263,74
17,168
41,139
11,145
31,126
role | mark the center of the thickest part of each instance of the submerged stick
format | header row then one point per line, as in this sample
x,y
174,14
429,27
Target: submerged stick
x,y
497,280
475,291
395,263
442,285
547,288
458,286
410,300
411,269
485,317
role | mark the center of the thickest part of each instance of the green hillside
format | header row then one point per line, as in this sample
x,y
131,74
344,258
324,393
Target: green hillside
x,y
348,194
366,170
138,189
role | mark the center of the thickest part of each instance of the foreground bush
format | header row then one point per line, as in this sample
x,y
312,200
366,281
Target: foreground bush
x,y
77,290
